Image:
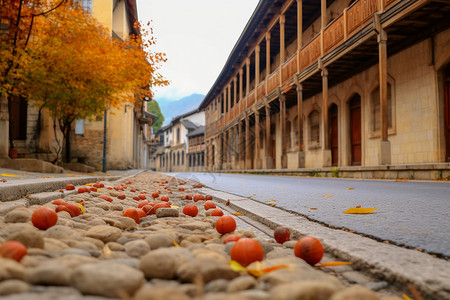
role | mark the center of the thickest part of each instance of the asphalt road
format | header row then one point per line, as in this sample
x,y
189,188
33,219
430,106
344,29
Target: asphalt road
x,y
409,213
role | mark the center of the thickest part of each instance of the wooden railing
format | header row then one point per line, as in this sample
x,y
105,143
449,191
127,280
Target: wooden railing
x,y
242,105
333,33
261,90
310,53
273,81
389,2
251,98
289,68
359,13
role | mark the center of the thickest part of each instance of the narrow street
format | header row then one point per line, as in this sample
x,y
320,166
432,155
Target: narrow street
x,y
411,214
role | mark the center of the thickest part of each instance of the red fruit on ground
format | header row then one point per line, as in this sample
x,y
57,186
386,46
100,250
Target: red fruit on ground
x,y
188,197
216,212
142,196
93,189
164,198
155,195
142,213
133,214
60,208
70,187
158,206
143,203
281,235
58,202
231,238
225,224
181,189
209,204
197,186
106,197
147,208
136,198
198,197
13,250
83,189
309,249
190,210
75,209
246,251
208,197
121,196
43,218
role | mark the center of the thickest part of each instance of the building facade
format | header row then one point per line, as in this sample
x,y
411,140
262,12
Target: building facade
x,y
35,134
182,146
313,84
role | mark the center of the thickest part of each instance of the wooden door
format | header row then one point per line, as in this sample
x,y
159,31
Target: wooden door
x,y
18,118
447,115
355,130
334,141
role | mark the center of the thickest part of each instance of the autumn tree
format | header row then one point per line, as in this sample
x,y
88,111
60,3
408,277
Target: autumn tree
x,y
16,22
79,70
154,108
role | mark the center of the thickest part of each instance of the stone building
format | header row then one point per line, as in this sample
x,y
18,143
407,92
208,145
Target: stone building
x,y
347,84
182,147
127,127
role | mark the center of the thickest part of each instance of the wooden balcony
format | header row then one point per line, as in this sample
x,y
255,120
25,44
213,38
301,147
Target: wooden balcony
x,y
251,99
359,13
289,68
273,81
333,34
261,90
310,53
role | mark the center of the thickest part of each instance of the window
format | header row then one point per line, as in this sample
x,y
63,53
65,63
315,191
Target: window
x,y
182,158
79,127
178,135
375,110
178,158
314,128
87,5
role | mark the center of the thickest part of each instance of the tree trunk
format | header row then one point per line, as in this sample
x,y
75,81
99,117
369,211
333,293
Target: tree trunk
x,y
67,140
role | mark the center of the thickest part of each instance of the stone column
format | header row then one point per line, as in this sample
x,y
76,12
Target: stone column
x,y
247,142
325,136
384,154
241,146
299,30
301,155
282,99
221,143
268,161
4,127
257,141
267,57
236,147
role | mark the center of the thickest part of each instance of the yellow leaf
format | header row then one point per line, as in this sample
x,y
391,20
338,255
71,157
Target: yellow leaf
x,y
175,244
174,206
81,207
88,184
271,200
406,297
334,263
272,205
9,175
359,210
326,196
238,214
274,268
254,194
350,188
235,266
71,175
313,208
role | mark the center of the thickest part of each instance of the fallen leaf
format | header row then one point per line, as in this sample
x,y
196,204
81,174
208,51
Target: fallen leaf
x,y
350,188
9,175
81,208
400,228
333,264
71,175
26,196
272,205
175,244
3,180
174,206
235,266
313,208
359,210
419,233
326,196
238,214
271,200
254,194
358,206
402,179
406,297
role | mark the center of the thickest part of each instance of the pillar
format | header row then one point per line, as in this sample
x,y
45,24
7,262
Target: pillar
x,y
229,97
235,91
236,147
323,22
257,63
384,157
247,65
247,142
241,74
325,136
4,127
267,57
282,99
300,157
299,30
282,40
257,141
241,146
268,161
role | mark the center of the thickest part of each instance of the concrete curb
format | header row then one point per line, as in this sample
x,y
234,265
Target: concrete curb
x,y
14,190
431,276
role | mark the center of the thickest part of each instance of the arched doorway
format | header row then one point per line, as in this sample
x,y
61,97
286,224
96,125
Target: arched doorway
x,y
355,129
447,111
333,131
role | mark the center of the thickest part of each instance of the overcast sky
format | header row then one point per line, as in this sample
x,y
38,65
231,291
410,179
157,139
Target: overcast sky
x,y
197,36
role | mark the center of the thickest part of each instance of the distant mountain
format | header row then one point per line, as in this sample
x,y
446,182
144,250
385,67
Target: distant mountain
x,y
171,109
